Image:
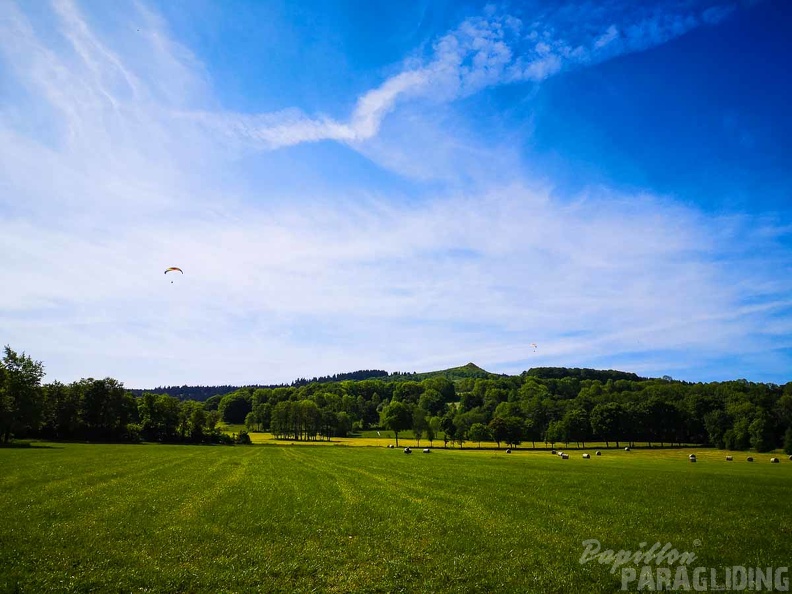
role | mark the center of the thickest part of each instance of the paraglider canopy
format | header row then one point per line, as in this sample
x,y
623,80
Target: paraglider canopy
x,y
533,344
173,269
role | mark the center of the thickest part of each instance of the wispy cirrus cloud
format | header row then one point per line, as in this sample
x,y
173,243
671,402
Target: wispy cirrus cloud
x,y
484,51
291,286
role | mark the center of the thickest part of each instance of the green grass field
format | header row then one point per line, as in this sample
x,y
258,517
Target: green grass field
x,y
155,518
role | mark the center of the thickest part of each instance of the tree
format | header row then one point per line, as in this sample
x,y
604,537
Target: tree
x,y
310,418
168,413
213,402
469,401
262,413
738,437
442,385
498,430
432,402
788,441
479,432
419,424
148,415
515,431
21,402
212,418
62,411
234,408
408,392
104,407
279,422
343,424
555,432
606,420
761,433
462,423
577,426
717,423
396,417
432,429
197,423
260,396
449,429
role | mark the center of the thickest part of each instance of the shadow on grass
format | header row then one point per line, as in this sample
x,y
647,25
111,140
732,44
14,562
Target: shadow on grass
x,y
19,444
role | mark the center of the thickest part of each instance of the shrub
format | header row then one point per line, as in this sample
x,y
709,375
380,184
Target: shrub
x,y
133,433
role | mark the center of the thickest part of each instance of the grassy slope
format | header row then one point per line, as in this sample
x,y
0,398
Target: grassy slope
x,y
211,519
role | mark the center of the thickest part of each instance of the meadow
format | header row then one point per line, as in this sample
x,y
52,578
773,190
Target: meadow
x,y
266,518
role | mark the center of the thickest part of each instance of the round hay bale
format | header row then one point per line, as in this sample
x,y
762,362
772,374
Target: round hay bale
x,y
586,456
508,451
565,456
599,453
627,449
692,456
729,458
553,452
407,451
749,459
693,460
774,460
427,451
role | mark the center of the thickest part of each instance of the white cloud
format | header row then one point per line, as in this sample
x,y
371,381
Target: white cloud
x,y
278,289
610,35
484,51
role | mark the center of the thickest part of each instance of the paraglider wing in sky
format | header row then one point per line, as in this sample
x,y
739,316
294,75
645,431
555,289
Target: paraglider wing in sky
x,y
173,269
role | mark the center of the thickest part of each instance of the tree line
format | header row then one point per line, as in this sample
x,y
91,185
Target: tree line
x,y
96,410
541,406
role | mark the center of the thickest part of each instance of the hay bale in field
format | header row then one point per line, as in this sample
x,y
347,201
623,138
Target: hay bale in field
x,y
599,453
749,459
565,456
692,457
553,452
391,446
729,458
427,451
407,451
508,451
587,456
693,460
627,449
774,460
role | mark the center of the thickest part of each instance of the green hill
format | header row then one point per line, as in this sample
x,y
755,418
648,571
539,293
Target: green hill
x,y
471,370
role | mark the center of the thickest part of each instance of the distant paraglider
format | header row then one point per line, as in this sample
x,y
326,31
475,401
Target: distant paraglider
x,y
533,344
173,269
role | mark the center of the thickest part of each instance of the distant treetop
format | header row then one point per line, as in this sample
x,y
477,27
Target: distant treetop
x,y
581,374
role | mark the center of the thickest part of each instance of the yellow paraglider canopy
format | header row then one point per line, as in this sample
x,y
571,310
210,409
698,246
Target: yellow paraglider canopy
x,y
173,269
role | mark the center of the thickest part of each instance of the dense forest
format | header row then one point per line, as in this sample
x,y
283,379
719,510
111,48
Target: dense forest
x,y
202,393
541,406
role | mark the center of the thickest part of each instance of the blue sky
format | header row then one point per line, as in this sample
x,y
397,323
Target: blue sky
x,y
404,186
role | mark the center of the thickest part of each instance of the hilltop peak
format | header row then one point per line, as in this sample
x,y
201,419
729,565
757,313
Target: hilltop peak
x,y
471,367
